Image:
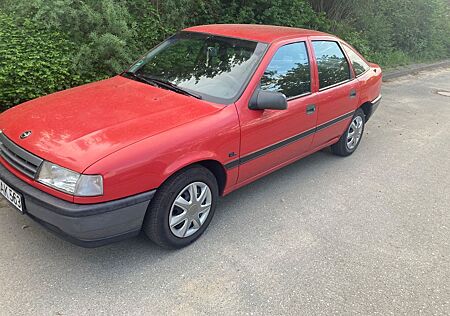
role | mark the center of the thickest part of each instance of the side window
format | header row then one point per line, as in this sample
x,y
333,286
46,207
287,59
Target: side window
x,y
332,64
289,71
359,65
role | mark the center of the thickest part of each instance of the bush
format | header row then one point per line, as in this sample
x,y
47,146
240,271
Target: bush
x,y
405,30
109,34
148,25
33,61
49,45
183,13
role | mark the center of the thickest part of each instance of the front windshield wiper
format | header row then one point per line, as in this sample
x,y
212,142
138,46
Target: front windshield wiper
x,y
160,83
140,78
171,86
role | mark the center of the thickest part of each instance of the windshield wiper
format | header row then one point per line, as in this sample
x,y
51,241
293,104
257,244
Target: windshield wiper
x,y
170,86
160,83
140,78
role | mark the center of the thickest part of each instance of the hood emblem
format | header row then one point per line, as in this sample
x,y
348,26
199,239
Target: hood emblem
x,y
25,134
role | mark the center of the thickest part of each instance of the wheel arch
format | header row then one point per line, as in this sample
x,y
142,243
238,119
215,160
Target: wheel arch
x,y
214,166
218,170
367,109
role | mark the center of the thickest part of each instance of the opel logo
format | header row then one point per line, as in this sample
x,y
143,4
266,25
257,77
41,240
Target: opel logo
x,y
25,134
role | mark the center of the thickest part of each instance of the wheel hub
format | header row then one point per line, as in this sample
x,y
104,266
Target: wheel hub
x,y
354,132
190,209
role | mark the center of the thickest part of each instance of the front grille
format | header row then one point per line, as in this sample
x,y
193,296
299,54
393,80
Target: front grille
x,y
19,158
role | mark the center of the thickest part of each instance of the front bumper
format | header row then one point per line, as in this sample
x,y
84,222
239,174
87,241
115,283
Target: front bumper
x,y
90,225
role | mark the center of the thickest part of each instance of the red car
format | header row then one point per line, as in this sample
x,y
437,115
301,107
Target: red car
x,y
206,112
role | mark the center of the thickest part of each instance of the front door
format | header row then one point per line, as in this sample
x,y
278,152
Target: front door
x,y
270,138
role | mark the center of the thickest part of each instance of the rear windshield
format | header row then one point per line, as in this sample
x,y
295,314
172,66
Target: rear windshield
x,y
218,68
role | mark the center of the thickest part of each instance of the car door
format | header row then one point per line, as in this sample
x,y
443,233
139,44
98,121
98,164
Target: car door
x,y
337,91
270,138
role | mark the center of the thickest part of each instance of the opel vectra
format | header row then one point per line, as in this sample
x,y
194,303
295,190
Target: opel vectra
x,y
206,112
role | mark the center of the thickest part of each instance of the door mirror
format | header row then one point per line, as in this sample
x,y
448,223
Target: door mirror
x,y
262,100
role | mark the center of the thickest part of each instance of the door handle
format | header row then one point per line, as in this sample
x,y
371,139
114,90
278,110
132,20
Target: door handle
x,y
310,109
353,93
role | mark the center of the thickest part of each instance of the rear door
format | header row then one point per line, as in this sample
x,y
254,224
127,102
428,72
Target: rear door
x,y
270,138
337,90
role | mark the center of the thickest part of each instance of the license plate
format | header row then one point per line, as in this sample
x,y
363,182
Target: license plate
x,y
12,196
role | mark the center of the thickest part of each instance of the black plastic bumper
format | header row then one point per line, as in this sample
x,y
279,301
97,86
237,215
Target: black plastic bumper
x,y
91,225
373,107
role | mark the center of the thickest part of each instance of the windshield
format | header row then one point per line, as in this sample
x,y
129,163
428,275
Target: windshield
x,y
217,68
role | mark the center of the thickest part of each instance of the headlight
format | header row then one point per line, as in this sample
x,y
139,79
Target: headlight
x,y
70,181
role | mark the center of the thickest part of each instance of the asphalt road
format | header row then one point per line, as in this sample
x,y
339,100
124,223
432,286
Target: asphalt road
x,y
368,234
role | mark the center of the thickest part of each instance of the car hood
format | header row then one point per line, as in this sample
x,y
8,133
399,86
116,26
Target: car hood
x,y
77,127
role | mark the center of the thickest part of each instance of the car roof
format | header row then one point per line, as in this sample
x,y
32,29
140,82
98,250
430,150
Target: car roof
x,y
255,32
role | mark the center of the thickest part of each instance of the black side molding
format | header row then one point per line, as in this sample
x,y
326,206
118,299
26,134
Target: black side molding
x,y
285,142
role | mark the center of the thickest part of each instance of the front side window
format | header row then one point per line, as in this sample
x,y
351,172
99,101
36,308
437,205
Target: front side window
x,y
359,65
215,67
289,71
332,64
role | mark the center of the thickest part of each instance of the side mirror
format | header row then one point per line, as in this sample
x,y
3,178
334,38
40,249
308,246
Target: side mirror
x,y
262,100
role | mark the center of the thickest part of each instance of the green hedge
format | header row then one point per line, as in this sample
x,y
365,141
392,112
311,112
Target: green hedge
x,y
33,62
49,45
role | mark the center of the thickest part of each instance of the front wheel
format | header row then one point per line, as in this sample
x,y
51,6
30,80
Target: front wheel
x,y
182,208
350,140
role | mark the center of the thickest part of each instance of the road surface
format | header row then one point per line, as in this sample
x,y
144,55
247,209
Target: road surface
x,y
368,234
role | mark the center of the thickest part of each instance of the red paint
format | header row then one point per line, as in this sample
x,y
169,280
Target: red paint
x,y
136,135
255,32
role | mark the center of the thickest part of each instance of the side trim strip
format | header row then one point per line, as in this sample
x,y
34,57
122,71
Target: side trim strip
x,y
336,120
283,143
276,146
232,164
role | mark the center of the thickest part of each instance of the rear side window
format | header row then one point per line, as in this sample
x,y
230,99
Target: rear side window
x,y
359,65
332,64
289,71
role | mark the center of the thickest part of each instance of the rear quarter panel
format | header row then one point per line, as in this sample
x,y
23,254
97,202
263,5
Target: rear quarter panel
x,y
369,82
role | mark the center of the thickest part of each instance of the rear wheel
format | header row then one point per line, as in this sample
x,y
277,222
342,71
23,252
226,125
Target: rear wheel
x,y
349,141
182,208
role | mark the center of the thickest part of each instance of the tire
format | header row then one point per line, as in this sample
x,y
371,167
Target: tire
x,y
345,147
170,203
